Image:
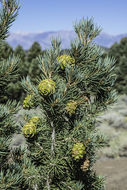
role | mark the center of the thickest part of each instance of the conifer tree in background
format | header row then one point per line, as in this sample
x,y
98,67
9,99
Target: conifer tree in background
x,y
9,177
119,52
5,50
14,89
19,51
72,90
34,51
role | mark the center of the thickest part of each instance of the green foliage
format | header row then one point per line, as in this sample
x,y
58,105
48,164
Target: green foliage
x,y
119,51
9,176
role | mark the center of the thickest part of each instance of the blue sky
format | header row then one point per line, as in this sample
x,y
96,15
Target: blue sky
x,y
53,15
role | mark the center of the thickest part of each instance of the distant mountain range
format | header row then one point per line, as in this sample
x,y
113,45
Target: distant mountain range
x,y
44,38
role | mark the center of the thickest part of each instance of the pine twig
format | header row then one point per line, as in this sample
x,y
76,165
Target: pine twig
x,y
53,139
35,187
48,185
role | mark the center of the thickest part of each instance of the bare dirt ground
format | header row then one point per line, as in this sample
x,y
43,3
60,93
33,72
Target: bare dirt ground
x,y
115,172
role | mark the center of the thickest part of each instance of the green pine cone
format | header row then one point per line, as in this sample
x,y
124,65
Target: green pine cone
x,y
28,102
71,107
78,151
65,60
35,120
47,87
29,129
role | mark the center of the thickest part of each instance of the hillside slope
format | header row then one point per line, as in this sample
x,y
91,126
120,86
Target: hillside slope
x,y
44,38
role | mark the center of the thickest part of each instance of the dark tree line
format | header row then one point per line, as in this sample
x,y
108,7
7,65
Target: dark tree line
x,y
27,66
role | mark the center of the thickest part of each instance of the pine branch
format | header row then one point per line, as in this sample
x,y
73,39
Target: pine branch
x,y
86,30
8,13
8,70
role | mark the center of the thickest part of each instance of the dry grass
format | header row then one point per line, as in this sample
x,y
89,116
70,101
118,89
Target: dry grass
x,y
113,124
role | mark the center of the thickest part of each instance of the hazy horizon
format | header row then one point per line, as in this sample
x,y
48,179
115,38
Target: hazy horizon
x,y
37,32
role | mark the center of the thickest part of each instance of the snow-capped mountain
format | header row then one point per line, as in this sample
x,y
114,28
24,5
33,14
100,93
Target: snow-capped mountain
x,y
44,38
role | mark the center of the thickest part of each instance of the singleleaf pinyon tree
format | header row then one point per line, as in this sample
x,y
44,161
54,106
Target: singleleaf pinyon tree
x,y
72,90
61,144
